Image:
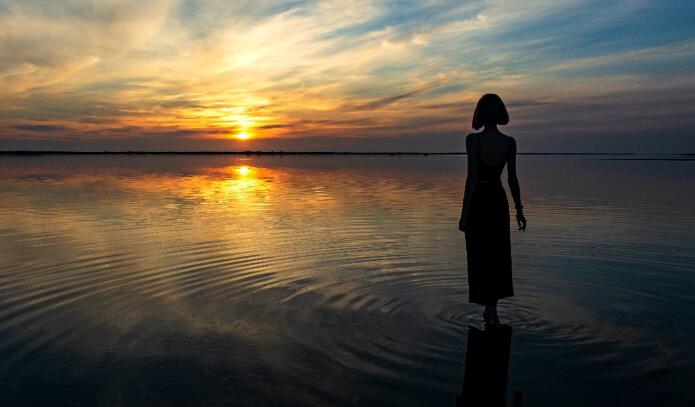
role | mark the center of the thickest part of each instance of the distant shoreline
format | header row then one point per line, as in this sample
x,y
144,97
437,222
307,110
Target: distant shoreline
x,y
61,152
623,156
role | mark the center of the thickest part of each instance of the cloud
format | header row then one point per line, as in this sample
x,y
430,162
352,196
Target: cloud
x,y
56,34
38,127
374,104
290,69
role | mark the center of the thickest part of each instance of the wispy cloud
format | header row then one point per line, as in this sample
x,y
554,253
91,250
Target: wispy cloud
x,y
207,69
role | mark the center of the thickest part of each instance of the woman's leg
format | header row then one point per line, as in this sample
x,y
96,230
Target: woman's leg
x,y
490,313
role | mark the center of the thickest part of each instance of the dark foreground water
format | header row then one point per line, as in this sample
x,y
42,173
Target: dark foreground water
x,y
264,281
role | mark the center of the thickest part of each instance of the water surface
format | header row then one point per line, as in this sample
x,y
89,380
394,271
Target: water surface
x,y
323,280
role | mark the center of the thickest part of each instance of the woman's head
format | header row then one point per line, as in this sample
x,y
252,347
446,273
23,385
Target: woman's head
x,y
490,110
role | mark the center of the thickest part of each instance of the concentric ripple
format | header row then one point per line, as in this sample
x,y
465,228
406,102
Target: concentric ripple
x,y
335,281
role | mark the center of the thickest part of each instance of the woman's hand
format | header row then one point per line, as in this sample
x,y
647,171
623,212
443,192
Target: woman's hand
x,y
521,220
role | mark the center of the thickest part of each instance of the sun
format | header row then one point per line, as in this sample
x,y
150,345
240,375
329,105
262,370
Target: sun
x,y
242,135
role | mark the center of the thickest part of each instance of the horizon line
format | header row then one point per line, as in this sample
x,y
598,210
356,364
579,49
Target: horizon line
x,y
282,152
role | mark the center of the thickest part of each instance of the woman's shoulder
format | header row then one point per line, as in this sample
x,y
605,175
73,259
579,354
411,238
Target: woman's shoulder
x,y
472,140
476,136
472,136
509,139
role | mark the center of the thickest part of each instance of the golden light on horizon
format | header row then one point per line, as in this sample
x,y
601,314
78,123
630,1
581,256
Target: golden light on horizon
x,y
243,123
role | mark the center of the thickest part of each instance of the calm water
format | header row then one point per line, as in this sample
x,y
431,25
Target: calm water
x,y
335,281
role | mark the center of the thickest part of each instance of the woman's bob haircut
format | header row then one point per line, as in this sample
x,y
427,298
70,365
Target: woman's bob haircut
x,y
490,110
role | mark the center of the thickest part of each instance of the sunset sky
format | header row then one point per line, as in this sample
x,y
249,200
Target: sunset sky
x,y
353,75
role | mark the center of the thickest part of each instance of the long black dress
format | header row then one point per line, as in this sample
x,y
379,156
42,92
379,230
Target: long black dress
x,y
488,245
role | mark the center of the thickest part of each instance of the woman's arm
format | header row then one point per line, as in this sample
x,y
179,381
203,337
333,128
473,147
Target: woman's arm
x,y
514,185
471,177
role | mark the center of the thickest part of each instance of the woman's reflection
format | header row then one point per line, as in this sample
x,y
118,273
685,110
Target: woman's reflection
x,y
487,366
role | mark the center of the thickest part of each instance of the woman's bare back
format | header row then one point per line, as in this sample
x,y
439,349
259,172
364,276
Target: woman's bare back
x,y
494,148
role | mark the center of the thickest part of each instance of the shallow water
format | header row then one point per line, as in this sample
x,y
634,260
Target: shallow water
x,y
324,280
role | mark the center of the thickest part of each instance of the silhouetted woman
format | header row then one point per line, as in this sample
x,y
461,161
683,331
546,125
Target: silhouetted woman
x,y
485,212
